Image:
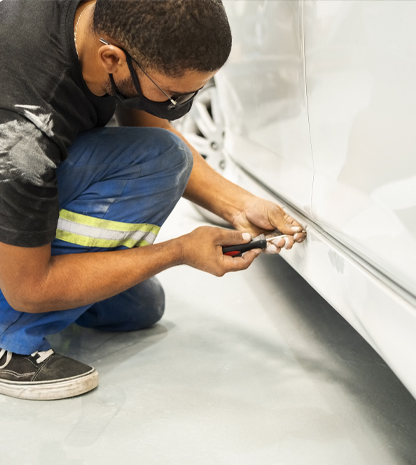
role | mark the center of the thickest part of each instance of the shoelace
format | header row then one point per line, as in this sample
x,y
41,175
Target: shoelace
x,y
8,358
42,356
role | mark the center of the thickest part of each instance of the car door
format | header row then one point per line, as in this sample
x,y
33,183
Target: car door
x,y
262,95
361,75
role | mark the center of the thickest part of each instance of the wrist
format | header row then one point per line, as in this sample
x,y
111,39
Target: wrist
x,y
180,250
233,205
240,207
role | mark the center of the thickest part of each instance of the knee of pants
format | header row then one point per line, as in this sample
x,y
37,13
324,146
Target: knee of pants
x,y
102,160
177,152
140,307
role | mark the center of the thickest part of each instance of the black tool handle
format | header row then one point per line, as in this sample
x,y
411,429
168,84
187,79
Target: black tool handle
x,y
237,250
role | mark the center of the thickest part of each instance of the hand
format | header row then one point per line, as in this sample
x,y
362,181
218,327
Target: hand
x,y
261,216
202,249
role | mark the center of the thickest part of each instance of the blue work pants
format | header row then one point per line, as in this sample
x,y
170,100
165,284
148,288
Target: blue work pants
x,y
116,189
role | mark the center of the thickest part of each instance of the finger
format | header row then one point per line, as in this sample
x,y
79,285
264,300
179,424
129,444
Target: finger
x,y
241,263
286,242
289,241
272,249
299,237
279,243
289,225
293,227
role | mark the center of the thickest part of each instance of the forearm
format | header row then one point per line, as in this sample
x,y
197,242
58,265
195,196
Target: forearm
x,y
34,282
209,189
212,191
71,281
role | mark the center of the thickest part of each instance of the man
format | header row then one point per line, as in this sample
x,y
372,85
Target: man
x,y
80,201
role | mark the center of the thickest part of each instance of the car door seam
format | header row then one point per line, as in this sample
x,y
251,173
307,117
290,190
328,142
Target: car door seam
x,y
307,101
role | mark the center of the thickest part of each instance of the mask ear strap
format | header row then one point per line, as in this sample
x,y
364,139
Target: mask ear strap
x,y
115,89
133,75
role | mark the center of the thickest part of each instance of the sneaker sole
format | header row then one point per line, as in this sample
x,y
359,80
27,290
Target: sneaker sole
x,y
46,390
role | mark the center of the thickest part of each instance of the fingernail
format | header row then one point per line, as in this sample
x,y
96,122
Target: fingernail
x,y
296,229
271,248
286,242
246,236
277,243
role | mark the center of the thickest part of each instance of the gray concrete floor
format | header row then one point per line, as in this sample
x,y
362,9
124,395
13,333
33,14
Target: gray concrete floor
x,y
253,368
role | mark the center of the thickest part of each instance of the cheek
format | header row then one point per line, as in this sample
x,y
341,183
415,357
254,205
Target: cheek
x,y
151,92
127,88
107,87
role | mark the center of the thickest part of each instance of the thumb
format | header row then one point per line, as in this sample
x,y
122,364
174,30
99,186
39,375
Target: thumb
x,y
234,238
289,226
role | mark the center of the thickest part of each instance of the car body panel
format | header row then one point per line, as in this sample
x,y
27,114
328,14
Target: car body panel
x,y
361,73
318,108
320,103
262,92
380,310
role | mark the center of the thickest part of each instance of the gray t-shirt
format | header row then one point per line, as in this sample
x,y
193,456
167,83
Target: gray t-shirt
x,y
44,105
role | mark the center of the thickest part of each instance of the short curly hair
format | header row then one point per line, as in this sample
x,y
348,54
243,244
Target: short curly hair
x,y
169,36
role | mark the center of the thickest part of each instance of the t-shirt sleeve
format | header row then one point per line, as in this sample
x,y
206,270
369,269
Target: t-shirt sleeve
x,y
29,205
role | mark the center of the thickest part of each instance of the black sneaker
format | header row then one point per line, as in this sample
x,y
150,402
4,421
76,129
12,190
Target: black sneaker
x,y
44,376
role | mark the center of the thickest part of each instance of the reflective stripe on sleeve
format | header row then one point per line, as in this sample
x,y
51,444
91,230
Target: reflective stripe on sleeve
x,y
95,232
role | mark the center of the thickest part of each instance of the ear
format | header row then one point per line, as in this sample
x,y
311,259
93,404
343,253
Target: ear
x,y
112,58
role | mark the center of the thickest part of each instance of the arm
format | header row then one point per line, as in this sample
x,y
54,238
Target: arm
x,y
210,190
226,199
35,282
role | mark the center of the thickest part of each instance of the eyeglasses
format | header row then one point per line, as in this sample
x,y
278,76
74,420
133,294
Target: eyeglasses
x,y
176,101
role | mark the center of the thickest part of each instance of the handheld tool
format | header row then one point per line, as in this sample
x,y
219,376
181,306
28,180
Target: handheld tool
x,y
259,242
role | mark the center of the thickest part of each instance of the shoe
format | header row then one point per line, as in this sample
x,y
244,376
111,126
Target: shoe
x,y
44,376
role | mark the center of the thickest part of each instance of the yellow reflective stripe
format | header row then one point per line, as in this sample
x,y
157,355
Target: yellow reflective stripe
x,y
107,224
95,232
93,242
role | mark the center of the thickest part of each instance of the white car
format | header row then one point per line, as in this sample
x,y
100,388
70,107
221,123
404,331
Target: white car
x,y
316,109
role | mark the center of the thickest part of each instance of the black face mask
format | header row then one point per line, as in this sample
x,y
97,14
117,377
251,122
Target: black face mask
x,y
163,110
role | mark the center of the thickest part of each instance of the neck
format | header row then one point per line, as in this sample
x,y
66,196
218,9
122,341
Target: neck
x,y
87,45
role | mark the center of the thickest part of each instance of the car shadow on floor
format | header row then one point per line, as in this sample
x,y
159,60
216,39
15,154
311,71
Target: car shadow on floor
x,y
327,347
